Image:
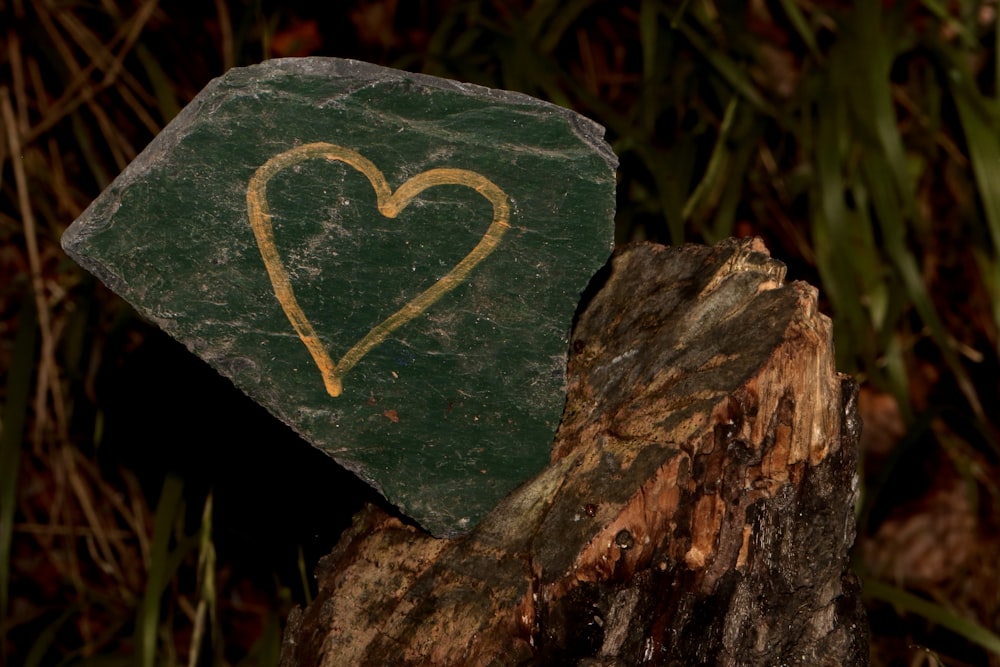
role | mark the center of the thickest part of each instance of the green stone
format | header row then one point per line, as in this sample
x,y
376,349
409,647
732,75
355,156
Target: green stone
x,y
388,262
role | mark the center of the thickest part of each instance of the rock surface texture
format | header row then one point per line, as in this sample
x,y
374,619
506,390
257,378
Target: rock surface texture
x,y
389,262
697,509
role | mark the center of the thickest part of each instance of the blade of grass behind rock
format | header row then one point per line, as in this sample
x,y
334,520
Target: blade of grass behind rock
x,y
801,25
206,623
12,427
983,142
713,205
559,23
831,220
944,14
705,194
865,62
893,226
46,638
933,612
670,169
873,283
162,565
723,64
163,87
649,31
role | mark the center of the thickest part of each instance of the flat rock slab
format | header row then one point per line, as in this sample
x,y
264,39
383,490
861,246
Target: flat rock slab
x,y
388,262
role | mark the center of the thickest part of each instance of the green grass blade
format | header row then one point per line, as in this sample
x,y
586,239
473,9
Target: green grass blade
x,y
560,23
207,620
726,68
872,277
441,46
46,638
304,577
87,148
981,137
534,20
723,221
935,613
887,208
716,170
862,71
14,416
160,569
670,169
940,11
649,30
867,60
163,87
831,218
670,172
798,21
679,14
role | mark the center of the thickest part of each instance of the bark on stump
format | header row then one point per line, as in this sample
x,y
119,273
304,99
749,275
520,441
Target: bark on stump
x,y
698,508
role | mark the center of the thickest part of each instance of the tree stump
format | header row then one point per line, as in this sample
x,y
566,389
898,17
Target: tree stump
x,y
697,509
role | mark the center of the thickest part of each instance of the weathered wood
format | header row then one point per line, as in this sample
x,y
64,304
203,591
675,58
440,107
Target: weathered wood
x,y
698,508
388,262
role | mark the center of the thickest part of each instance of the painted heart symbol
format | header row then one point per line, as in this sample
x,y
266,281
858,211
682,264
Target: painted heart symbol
x,y
390,204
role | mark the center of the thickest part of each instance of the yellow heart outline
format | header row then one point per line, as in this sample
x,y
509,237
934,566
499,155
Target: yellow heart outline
x,y
389,204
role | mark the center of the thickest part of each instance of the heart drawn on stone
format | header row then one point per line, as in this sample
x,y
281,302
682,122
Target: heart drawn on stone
x,y
390,204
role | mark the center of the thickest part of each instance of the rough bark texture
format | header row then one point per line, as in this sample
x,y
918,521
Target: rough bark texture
x,y
698,508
